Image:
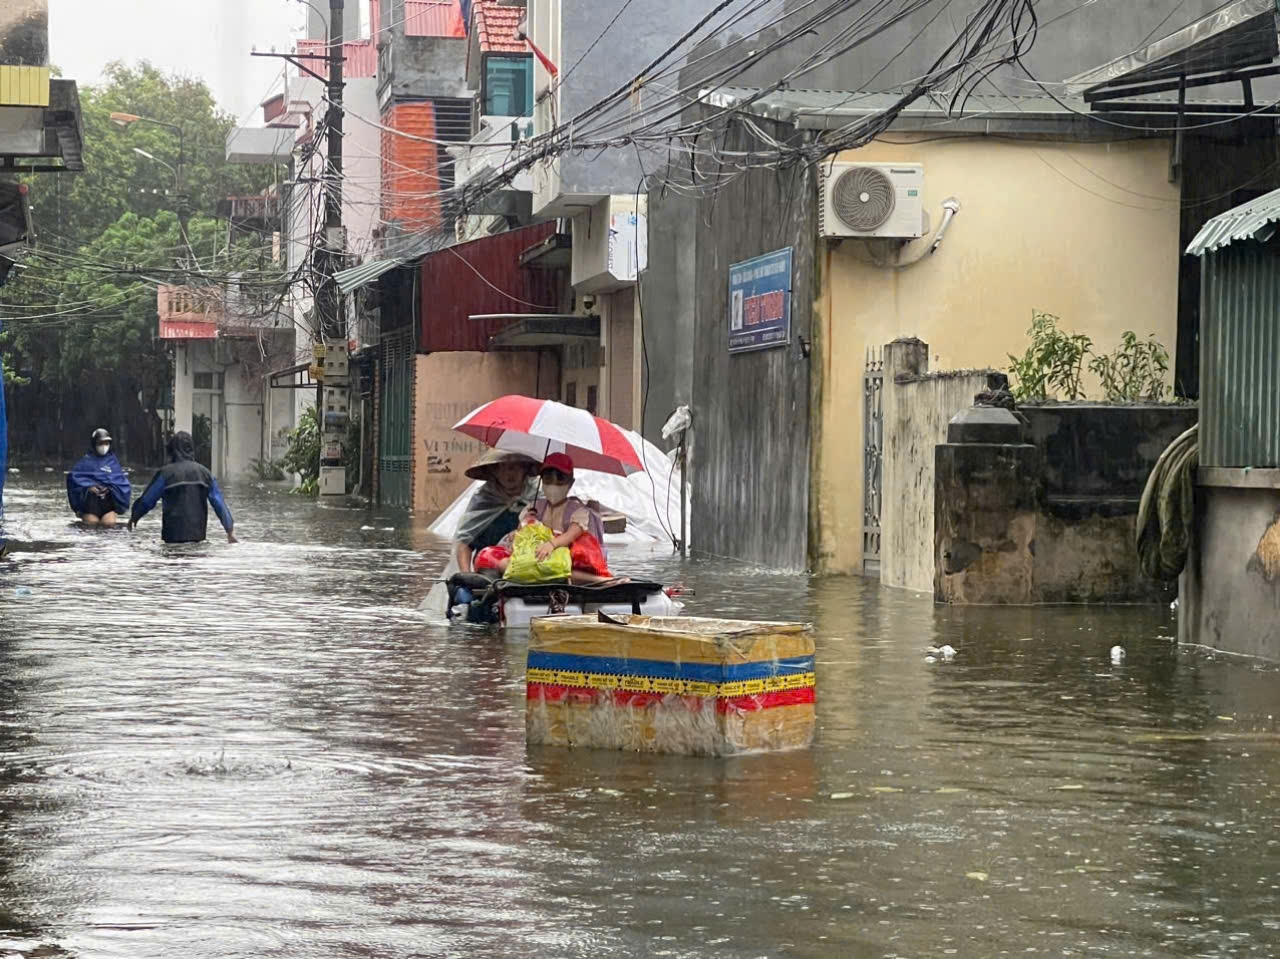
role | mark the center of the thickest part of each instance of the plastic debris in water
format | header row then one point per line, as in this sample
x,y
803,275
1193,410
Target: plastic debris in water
x,y
1174,606
1117,654
931,659
22,591
948,652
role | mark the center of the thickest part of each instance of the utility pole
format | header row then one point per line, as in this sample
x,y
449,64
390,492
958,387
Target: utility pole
x,y
334,392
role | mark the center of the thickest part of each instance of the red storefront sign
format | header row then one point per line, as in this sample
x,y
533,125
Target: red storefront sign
x,y
188,330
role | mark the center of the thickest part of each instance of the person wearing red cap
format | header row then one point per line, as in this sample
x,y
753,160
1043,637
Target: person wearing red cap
x,y
566,516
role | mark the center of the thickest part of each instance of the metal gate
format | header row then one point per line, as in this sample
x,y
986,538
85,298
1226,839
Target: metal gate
x,y
395,456
872,460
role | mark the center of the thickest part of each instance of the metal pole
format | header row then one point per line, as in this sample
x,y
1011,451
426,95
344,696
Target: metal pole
x,y
184,206
684,486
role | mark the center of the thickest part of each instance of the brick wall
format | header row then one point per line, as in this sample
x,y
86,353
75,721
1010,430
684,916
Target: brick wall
x,y
410,168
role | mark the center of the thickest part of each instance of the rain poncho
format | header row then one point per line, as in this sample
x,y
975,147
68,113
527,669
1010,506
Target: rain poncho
x,y
94,470
188,490
492,514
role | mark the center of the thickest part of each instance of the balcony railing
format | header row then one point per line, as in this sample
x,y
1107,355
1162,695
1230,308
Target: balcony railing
x,y
489,151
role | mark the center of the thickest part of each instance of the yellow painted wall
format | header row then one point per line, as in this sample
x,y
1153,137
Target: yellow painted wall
x,y
1088,232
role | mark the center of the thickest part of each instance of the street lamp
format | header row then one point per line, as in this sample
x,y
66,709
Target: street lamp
x,y
126,120
155,159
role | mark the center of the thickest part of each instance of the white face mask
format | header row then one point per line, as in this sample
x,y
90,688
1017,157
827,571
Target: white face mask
x,y
556,494
103,448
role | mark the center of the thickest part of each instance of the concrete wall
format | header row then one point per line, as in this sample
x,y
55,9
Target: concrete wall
x,y
749,444
1229,593
567,31
1053,522
918,405
1089,232
416,67
448,386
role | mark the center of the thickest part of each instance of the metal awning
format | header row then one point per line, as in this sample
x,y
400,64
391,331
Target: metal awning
x,y
410,248
1254,220
531,331
1234,37
553,252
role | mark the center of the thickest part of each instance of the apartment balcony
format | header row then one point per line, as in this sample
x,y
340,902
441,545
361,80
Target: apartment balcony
x,y
211,313
258,213
494,149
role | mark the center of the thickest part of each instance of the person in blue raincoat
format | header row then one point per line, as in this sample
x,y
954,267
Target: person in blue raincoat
x,y
97,487
188,490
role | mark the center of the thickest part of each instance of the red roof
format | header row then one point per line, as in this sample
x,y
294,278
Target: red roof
x,y
360,57
434,18
496,25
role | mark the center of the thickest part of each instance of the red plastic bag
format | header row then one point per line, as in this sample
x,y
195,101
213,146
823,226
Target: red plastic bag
x,y
490,557
588,556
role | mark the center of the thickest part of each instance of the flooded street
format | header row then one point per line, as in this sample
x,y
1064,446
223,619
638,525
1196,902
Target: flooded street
x,y
203,753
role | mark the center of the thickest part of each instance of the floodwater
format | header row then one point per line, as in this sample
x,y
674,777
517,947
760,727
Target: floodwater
x,y
264,750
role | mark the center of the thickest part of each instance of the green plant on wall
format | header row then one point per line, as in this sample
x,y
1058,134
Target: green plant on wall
x,y
303,455
1053,362
1135,370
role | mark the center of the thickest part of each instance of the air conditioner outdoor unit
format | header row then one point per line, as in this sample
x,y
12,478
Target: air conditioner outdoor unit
x,y
872,200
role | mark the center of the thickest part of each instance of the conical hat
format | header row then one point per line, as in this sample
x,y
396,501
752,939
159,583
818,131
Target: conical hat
x,y
481,468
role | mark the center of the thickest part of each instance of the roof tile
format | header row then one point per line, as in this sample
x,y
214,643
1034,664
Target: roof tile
x,y
495,25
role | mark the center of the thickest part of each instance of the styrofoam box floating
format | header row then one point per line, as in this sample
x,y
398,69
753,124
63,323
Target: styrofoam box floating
x,y
699,687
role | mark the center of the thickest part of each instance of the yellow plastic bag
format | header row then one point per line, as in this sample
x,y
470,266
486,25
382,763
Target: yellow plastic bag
x,y
524,566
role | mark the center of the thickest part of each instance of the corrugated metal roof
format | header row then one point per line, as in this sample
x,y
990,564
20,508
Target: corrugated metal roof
x,y
360,58
396,254
434,18
790,105
1236,35
1241,223
483,277
495,26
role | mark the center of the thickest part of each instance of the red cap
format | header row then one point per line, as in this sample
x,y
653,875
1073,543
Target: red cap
x,y
560,462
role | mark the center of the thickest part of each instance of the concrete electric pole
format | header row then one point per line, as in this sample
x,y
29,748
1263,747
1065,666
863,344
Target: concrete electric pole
x,y
335,387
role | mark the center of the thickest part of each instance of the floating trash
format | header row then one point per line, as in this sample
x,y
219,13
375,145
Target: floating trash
x,y
1117,654
23,591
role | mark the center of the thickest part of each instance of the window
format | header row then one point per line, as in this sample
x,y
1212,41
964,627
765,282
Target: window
x,y
571,394
593,395
508,86
207,381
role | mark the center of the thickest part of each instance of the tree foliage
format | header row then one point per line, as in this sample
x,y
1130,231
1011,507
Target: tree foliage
x,y
83,311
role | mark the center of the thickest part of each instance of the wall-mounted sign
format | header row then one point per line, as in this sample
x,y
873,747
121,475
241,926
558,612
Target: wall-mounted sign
x,y
760,302
628,245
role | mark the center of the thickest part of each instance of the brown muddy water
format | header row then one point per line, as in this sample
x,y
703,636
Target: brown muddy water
x,y
265,750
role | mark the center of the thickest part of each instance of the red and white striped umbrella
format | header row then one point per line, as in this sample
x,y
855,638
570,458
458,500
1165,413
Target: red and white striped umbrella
x,y
537,428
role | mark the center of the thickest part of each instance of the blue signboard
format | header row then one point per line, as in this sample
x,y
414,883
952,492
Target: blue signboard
x,y
760,302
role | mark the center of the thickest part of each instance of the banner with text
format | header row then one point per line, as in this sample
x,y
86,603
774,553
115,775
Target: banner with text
x,y
760,302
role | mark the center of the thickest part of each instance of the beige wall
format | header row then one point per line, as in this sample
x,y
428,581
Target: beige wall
x,y
1085,231
448,386
622,377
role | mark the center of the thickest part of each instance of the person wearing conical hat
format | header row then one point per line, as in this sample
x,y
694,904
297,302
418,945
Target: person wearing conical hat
x,y
510,485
